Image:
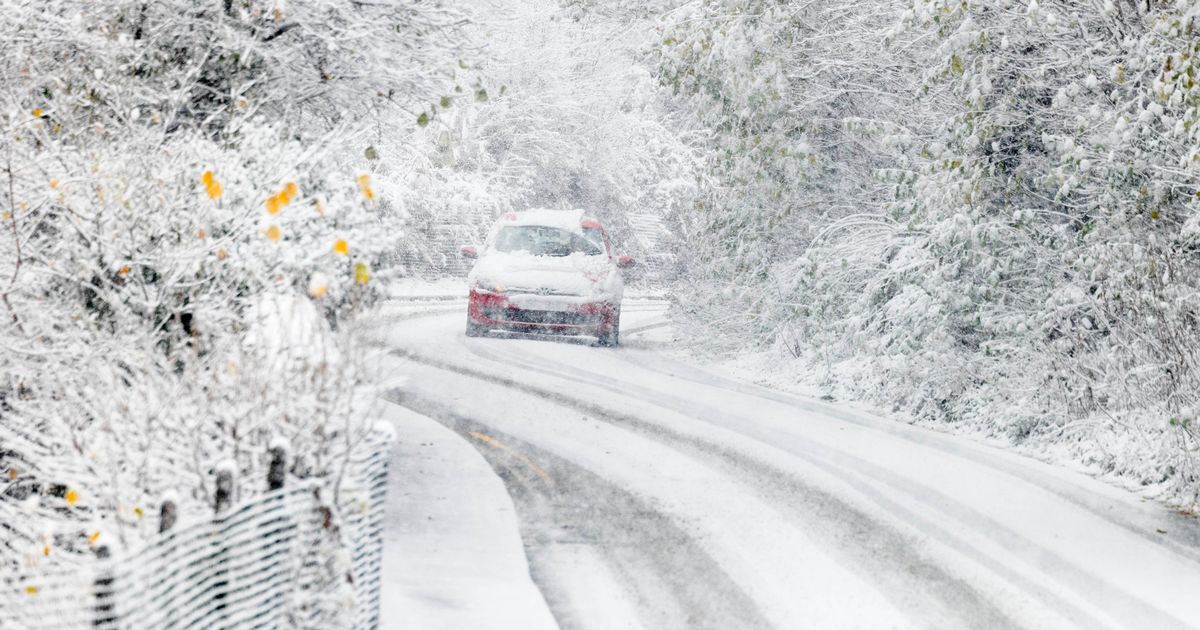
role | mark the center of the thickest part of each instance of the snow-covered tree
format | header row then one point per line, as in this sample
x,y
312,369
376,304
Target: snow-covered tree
x,y
190,222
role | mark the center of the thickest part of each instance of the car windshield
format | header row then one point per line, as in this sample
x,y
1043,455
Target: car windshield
x,y
541,240
594,235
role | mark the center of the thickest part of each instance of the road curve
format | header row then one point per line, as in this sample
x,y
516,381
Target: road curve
x,y
654,494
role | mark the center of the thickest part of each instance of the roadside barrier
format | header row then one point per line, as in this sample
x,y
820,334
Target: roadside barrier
x,y
282,559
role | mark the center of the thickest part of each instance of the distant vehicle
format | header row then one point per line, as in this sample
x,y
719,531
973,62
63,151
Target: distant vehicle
x,y
547,271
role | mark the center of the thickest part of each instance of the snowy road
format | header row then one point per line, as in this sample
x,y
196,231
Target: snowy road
x,y
653,494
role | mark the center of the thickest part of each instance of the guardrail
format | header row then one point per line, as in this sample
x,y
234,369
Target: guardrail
x,y
282,559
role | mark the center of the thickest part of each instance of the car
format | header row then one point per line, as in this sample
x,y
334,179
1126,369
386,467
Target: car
x,y
546,271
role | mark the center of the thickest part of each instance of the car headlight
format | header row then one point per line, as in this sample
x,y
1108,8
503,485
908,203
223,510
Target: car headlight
x,y
489,287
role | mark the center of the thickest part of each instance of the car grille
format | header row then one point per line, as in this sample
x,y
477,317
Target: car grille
x,y
541,291
543,318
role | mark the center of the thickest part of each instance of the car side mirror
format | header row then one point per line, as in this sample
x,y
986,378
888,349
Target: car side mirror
x,y
469,251
625,261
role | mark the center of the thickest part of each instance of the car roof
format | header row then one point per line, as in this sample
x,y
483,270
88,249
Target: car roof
x,y
572,220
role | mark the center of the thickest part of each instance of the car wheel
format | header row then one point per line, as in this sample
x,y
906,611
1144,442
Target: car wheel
x,y
612,337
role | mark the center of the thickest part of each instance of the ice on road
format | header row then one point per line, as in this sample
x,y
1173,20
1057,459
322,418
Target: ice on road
x,y
653,494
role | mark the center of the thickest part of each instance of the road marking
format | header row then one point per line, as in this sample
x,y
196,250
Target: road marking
x,y
491,441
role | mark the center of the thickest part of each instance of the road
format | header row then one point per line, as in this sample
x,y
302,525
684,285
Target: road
x,y
655,494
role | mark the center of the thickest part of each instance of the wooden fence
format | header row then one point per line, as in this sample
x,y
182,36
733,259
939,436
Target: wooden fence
x,y
277,560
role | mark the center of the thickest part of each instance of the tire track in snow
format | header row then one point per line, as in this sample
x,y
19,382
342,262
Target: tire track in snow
x,y
1184,538
671,580
946,601
1100,592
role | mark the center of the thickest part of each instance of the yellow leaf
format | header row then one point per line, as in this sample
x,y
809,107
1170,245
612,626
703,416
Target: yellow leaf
x,y
273,205
46,550
72,497
278,15
361,274
138,512
292,190
214,190
364,181
221,254
93,538
37,112
207,178
54,183
341,247
318,285
368,193
273,233
5,215
31,590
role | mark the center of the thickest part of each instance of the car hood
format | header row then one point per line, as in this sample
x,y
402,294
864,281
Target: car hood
x,y
576,274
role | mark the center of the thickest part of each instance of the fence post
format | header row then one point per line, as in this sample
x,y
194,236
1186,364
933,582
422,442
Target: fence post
x,y
277,472
102,587
167,515
222,503
224,493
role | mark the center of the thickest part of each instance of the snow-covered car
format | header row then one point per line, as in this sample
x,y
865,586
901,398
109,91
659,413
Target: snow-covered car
x,y
546,271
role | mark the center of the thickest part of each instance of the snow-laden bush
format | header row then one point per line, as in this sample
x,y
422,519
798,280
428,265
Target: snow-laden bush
x,y
190,222
976,212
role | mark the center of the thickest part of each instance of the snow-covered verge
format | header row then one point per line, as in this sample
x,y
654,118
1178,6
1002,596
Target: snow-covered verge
x,y
775,368
980,214
453,551
190,223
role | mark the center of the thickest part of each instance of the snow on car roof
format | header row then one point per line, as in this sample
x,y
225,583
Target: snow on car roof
x,y
572,220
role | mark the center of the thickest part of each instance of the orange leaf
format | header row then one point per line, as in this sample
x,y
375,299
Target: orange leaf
x,y
292,190
341,247
364,181
200,234
46,550
273,233
12,474
207,178
54,183
93,538
72,497
273,205
37,112
124,270
215,190
221,254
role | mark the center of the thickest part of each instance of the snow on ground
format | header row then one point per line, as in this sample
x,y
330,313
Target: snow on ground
x,y
778,509
453,556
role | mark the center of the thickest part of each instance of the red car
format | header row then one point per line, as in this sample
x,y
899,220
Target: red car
x,y
547,271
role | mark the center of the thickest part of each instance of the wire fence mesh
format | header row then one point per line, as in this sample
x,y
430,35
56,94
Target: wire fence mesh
x,y
283,559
